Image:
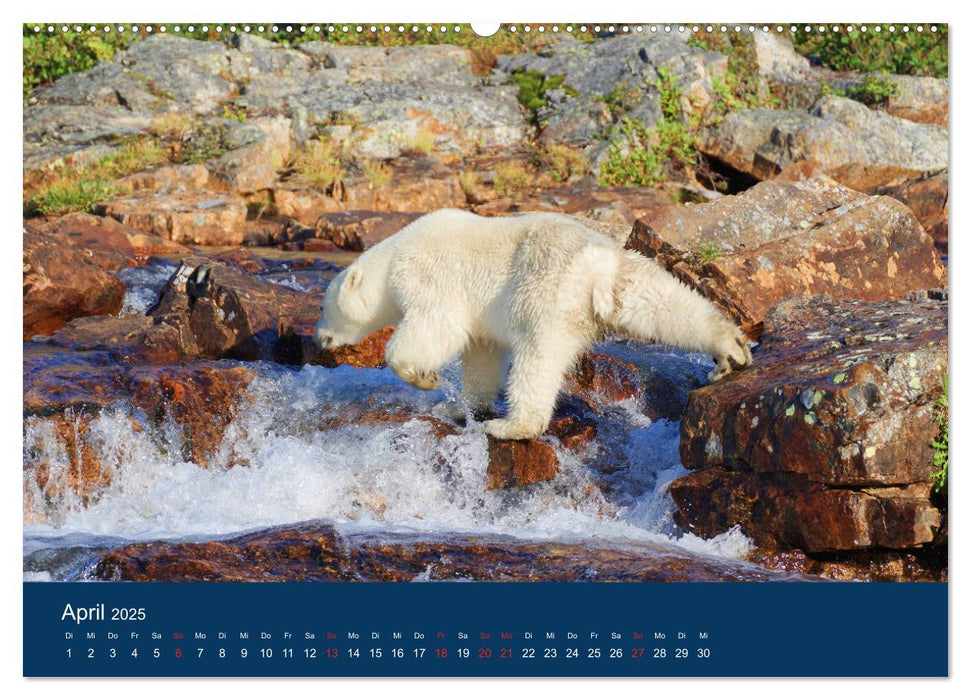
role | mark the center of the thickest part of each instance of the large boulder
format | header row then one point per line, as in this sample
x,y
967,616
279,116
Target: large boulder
x,y
62,282
784,239
858,147
825,443
222,312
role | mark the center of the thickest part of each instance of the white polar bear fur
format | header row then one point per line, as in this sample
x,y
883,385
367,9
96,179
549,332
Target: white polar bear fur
x,y
542,287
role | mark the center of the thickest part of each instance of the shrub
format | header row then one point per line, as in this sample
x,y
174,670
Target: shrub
x,y
874,91
533,86
907,53
421,143
377,173
940,443
171,126
512,179
319,165
562,162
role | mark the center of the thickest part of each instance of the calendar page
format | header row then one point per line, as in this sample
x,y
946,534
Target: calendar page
x,y
409,349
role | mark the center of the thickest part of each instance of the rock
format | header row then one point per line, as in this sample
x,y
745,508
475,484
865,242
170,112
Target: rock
x,y
601,378
253,166
167,177
891,566
824,444
303,205
61,283
858,147
360,230
777,61
593,70
200,218
221,312
920,99
515,463
128,339
104,241
416,185
784,239
573,423
315,551
927,198
588,201
367,353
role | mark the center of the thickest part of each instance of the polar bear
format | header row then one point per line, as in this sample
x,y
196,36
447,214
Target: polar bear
x,y
541,287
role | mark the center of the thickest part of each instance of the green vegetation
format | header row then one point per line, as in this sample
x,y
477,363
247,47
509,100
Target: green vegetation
x,y
533,86
205,142
940,443
874,91
561,163
421,143
319,165
622,99
69,187
643,157
47,57
377,173
708,252
907,53
512,179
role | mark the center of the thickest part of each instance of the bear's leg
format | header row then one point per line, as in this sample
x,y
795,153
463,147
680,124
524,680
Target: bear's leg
x,y
482,374
421,344
534,383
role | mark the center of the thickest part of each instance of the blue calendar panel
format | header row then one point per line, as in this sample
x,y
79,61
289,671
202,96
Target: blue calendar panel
x,y
789,629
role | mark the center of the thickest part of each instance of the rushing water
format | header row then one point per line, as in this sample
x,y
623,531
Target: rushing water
x,y
290,454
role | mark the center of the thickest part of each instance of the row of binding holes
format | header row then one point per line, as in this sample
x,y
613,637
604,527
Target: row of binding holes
x,y
429,29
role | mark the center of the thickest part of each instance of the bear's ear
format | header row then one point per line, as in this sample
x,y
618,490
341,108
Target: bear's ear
x,y
353,279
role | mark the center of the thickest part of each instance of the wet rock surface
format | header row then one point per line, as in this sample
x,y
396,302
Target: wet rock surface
x,y
316,552
826,446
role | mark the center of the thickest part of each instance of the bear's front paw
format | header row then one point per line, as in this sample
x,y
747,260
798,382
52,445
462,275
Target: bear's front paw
x,y
427,380
505,429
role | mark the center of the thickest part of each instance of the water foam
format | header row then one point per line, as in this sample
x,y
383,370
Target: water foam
x,y
296,452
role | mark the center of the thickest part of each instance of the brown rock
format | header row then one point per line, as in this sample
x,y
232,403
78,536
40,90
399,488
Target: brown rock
x,y
316,552
104,241
886,566
783,239
360,230
601,378
416,185
201,218
825,442
573,423
367,353
303,205
514,463
582,199
127,339
219,311
784,512
61,283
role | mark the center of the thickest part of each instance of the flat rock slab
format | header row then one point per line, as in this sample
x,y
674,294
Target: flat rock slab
x,y
359,230
825,443
315,551
199,218
783,239
859,147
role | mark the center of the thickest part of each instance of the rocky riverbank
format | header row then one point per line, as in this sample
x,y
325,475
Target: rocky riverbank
x,y
216,189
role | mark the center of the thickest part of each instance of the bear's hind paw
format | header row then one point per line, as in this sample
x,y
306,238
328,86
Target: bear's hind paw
x,y
505,429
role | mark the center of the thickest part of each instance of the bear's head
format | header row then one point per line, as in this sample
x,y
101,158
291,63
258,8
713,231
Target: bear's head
x,y
348,310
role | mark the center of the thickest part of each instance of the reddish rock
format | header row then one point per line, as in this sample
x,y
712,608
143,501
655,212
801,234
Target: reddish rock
x,y
200,218
201,399
927,198
573,424
220,311
514,463
104,241
416,185
360,230
317,552
127,339
824,443
303,205
367,353
580,198
884,566
601,378
61,283
783,239
244,259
